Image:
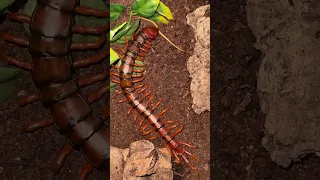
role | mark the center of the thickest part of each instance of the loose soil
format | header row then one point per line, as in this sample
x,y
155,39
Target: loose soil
x,y
166,72
236,139
29,156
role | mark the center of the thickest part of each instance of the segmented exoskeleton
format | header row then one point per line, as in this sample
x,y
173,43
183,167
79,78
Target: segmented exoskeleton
x,y
52,68
141,43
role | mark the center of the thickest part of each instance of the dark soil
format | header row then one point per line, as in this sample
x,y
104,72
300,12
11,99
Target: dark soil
x,y
166,71
236,139
29,156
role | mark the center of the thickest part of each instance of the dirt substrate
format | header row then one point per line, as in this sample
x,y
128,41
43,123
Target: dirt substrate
x,y
236,139
166,72
29,156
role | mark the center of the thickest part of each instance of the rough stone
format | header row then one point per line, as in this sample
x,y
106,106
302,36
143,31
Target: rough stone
x,y
140,162
199,63
289,76
116,163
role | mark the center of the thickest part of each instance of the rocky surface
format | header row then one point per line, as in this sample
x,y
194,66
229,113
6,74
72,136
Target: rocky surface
x,y
289,76
199,63
140,162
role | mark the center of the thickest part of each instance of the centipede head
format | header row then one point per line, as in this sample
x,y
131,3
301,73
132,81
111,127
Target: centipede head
x,y
151,32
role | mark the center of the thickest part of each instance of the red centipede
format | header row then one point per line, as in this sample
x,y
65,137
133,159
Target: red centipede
x,y
52,68
138,45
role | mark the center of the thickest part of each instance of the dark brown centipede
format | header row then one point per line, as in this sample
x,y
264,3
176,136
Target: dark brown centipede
x,y
139,44
52,69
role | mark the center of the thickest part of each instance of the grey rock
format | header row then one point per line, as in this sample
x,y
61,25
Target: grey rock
x,y
289,76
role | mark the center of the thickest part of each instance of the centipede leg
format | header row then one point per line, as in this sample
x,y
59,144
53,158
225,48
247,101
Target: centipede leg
x,y
90,30
153,137
139,80
86,81
148,124
96,95
92,60
115,74
142,98
143,119
153,108
37,125
82,82
122,50
85,171
28,99
134,70
115,81
84,10
67,149
19,18
106,113
90,45
139,92
168,149
15,39
175,124
118,92
10,60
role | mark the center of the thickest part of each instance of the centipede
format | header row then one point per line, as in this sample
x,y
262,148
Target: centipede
x,y
53,68
128,76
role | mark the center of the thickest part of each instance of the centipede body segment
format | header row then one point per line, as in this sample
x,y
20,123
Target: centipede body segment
x,y
137,96
52,69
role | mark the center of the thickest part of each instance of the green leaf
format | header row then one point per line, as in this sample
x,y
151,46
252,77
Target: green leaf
x,y
121,33
145,8
130,32
8,77
114,31
4,4
138,68
164,11
5,10
158,18
112,87
113,56
28,10
115,11
6,89
7,74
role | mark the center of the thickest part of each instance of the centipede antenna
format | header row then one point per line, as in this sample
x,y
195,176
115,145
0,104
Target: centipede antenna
x,y
193,156
189,164
190,146
165,37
